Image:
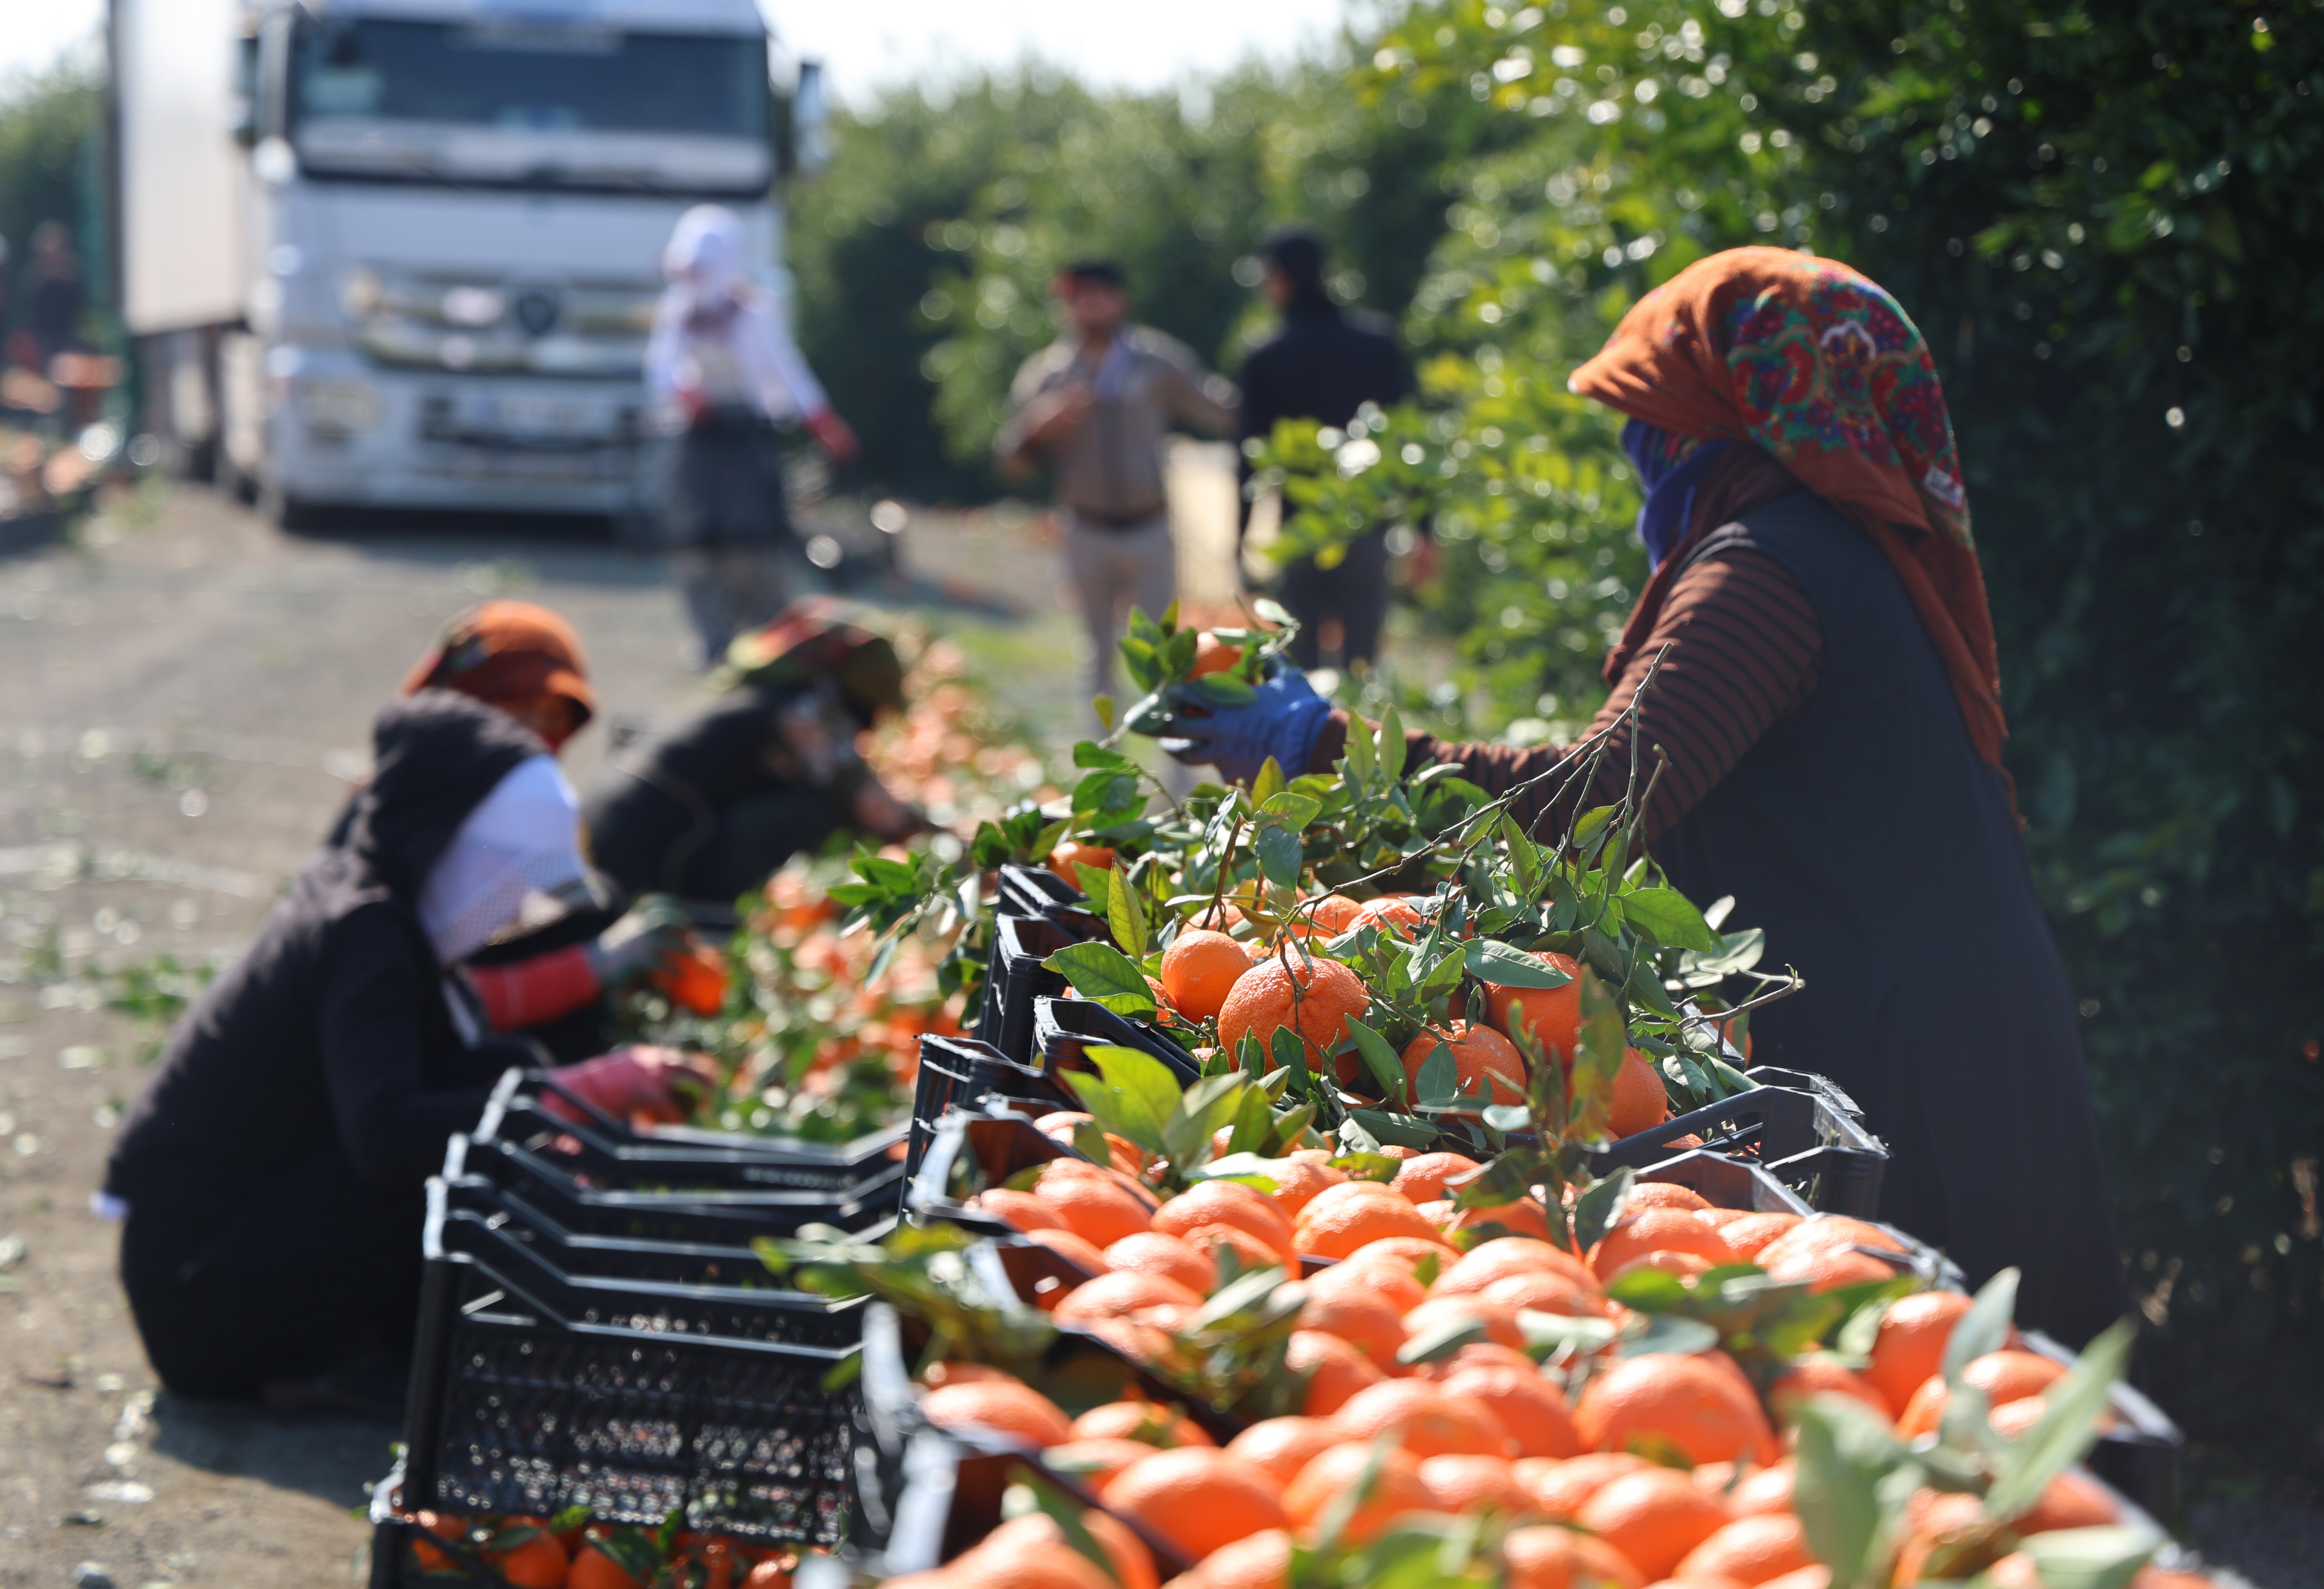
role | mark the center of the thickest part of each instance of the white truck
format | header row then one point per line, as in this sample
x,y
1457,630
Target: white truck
x,y
403,254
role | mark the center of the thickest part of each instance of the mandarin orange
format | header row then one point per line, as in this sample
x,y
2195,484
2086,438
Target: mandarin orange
x,y
1019,1209
1750,1234
1396,1489
1497,1320
1705,1409
1640,1101
1819,1376
1911,1345
1561,1488
1657,1230
1334,1370
1460,1484
1144,1421
1553,1015
1122,1293
1751,1550
1263,1561
1428,1421
1365,1322
1552,1558
1529,1407
1227,1202
1422,1179
1096,1461
1092,1206
1015,1411
1653,1517
1492,1261
1150,1252
1383,1279
1199,969
1340,1219
1283,1446
1313,997
1196,1498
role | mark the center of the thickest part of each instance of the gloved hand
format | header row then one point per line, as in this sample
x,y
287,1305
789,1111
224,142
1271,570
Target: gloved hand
x,y
654,1083
1281,720
832,434
653,929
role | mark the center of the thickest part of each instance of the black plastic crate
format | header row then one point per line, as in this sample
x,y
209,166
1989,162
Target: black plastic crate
x,y
659,1211
1016,975
607,1152
534,1391
1028,891
582,1260
1791,1125
959,1073
1066,1029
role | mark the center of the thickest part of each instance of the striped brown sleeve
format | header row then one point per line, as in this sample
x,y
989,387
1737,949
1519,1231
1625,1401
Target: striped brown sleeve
x,y
1743,648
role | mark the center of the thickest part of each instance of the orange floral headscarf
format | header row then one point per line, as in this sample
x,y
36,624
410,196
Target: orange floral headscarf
x,y
1819,367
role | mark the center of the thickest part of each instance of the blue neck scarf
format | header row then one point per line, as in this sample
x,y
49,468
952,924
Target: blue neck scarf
x,y
1669,467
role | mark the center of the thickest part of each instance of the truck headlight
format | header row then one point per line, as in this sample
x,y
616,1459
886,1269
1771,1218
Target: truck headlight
x,y
338,408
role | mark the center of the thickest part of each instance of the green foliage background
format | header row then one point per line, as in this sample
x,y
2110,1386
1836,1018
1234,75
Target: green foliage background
x,y
2104,218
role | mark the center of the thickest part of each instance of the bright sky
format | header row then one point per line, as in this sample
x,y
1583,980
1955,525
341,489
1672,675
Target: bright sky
x,y
865,46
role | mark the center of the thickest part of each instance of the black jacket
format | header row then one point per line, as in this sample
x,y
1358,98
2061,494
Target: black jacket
x,y
1321,365
334,1021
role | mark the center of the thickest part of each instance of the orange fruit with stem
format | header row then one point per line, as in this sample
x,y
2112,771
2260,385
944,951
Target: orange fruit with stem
x,y
1657,1230
1150,1252
1481,1266
1368,1324
1396,1488
1815,1376
1251,1252
1199,969
1281,1446
1422,1179
1213,655
1640,1101
1497,1320
1532,1410
1497,1221
1551,1015
1385,1279
1911,1345
1072,852
1560,1489
1399,911
1066,1244
1015,1411
2004,1376
1485,1064
1298,1181
1334,1370
527,1554
1415,1252
1092,1206
1341,1220
1096,1461
1030,1552
1653,1517
1428,1420
1156,1426
1460,1484
1123,1293
1552,1558
1754,1233
1544,1290
1227,1202
1750,1550
1312,996
1332,915
1263,1561
1021,1210
1705,1409
1663,1194
1196,1498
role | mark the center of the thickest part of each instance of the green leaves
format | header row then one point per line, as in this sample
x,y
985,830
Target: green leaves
x,y
2067,1428
1504,965
1125,916
1596,1210
1104,975
1984,1328
1380,1059
1845,1492
1133,1095
1668,917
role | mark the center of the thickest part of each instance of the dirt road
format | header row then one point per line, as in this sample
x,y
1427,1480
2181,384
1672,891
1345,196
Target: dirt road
x,y
188,692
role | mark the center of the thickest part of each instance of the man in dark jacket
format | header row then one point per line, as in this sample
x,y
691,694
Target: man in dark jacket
x,y
709,808
1323,365
270,1173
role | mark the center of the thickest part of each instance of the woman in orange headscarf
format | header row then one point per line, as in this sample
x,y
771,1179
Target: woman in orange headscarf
x,y
1828,701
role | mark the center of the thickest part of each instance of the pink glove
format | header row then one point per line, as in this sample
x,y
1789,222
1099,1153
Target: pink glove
x,y
831,432
633,1083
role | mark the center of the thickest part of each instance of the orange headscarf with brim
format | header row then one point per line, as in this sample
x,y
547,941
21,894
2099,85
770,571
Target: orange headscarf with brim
x,y
505,652
1816,365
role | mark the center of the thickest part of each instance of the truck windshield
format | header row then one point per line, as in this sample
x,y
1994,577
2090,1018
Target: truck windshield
x,y
528,79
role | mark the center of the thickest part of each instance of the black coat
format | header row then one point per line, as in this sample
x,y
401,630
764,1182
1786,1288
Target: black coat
x,y
1882,859
333,1024
1322,365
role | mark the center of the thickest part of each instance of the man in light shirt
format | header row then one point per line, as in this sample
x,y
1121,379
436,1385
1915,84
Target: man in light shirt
x,y
1094,406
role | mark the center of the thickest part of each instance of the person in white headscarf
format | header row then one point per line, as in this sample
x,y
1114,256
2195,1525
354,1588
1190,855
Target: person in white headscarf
x,y
722,365
270,1173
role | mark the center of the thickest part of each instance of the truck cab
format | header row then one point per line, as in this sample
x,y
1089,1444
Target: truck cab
x,y
447,237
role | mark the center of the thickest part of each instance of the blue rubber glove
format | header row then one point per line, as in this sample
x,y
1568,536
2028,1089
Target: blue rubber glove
x,y
1281,720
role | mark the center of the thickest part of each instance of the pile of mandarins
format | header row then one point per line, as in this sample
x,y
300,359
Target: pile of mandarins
x,y
1486,1428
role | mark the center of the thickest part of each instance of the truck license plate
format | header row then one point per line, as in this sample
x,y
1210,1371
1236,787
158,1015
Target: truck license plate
x,y
516,415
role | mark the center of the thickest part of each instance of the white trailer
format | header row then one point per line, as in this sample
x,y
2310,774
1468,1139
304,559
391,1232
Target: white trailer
x,y
403,252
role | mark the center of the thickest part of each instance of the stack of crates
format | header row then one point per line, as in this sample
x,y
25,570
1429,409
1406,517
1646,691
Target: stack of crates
x,y
597,1334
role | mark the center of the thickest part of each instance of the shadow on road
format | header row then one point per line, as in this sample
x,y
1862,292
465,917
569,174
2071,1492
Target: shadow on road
x,y
331,1455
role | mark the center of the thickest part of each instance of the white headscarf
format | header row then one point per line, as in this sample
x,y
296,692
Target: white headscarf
x,y
704,263
522,841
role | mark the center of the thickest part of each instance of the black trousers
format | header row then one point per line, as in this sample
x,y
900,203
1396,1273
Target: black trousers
x,y
1355,593
228,1297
